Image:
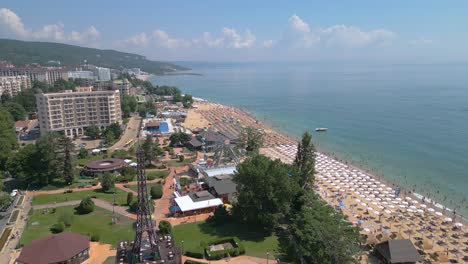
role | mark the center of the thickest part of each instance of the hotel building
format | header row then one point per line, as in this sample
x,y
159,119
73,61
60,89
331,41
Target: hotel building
x,y
13,84
72,112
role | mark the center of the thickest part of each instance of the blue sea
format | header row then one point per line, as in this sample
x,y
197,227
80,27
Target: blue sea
x,y
406,123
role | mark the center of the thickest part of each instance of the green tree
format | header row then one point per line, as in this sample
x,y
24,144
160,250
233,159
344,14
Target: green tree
x,y
16,110
109,137
220,216
319,234
48,165
6,97
181,158
128,173
86,206
142,111
156,191
179,139
165,228
129,198
8,141
128,105
305,161
65,149
177,97
62,84
107,181
115,129
92,132
148,148
187,101
265,191
254,139
82,153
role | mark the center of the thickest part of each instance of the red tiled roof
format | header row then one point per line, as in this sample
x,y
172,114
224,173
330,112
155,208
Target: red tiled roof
x,y
21,123
54,248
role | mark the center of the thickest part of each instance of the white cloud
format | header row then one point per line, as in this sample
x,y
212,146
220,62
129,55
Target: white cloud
x,y
421,41
164,40
11,24
268,43
350,36
53,32
140,39
208,40
235,40
301,35
297,24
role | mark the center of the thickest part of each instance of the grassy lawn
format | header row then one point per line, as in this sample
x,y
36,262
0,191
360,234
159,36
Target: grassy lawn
x,y
97,222
134,187
60,184
109,260
120,197
254,242
157,174
177,163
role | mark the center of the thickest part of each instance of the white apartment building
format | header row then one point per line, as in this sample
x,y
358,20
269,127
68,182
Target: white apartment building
x,y
87,75
103,74
72,112
13,84
43,74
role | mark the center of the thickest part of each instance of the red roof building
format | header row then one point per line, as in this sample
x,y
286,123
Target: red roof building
x,y
60,248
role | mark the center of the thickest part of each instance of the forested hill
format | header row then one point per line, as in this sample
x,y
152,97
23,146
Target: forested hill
x,y
27,52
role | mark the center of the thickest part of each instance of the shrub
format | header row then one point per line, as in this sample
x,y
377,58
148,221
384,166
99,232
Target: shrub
x,y
220,216
86,206
66,217
133,206
181,158
156,191
165,227
189,261
57,228
107,181
95,237
150,176
53,210
195,253
129,198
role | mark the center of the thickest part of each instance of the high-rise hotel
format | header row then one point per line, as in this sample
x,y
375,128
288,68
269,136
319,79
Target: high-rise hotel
x,y
72,112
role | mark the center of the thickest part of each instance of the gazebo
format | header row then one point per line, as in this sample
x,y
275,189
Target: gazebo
x,y
104,165
397,251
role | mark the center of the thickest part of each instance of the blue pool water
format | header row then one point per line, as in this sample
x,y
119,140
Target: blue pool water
x,y
163,128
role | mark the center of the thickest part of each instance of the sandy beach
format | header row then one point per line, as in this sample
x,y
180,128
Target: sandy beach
x,y
382,210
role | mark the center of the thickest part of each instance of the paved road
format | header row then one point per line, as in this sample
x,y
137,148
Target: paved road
x,y
131,132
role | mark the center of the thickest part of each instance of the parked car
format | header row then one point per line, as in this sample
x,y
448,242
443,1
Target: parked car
x,y
14,193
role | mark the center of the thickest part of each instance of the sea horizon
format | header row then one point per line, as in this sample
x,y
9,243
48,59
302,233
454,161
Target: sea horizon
x,y
411,137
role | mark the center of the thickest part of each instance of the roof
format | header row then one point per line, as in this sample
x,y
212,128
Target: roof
x,y
105,165
186,203
54,248
222,186
152,124
219,171
212,136
398,251
22,123
195,142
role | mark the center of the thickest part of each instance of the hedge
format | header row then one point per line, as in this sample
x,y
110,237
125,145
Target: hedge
x,y
189,261
195,253
14,216
238,249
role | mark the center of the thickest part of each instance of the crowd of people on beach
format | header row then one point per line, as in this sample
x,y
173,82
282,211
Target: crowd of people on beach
x,y
382,211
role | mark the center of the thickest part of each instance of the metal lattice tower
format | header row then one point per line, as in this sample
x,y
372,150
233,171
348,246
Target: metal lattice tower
x,y
144,221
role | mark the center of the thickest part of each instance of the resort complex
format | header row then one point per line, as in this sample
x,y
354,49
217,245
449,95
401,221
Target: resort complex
x,y
107,158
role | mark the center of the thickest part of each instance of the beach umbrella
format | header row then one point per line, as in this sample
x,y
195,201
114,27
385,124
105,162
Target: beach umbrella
x,y
402,206
408,198
438,213
430,209
387,211
370,208
412,207
363,204
366,230
357,200
377,213
448,219
391,206
458,224
406,203
423,205
420,211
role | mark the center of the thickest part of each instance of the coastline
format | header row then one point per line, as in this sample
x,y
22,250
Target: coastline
x,y
405,191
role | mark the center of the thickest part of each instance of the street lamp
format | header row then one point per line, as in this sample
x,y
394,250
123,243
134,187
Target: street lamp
x,y
268,254
182,247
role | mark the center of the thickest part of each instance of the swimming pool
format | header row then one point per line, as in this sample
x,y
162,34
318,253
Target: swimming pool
x,y
163,128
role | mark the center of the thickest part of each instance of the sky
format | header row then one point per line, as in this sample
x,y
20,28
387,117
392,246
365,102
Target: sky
x,y
275,30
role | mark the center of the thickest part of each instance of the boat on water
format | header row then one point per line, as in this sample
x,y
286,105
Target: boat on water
x,y
321,129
